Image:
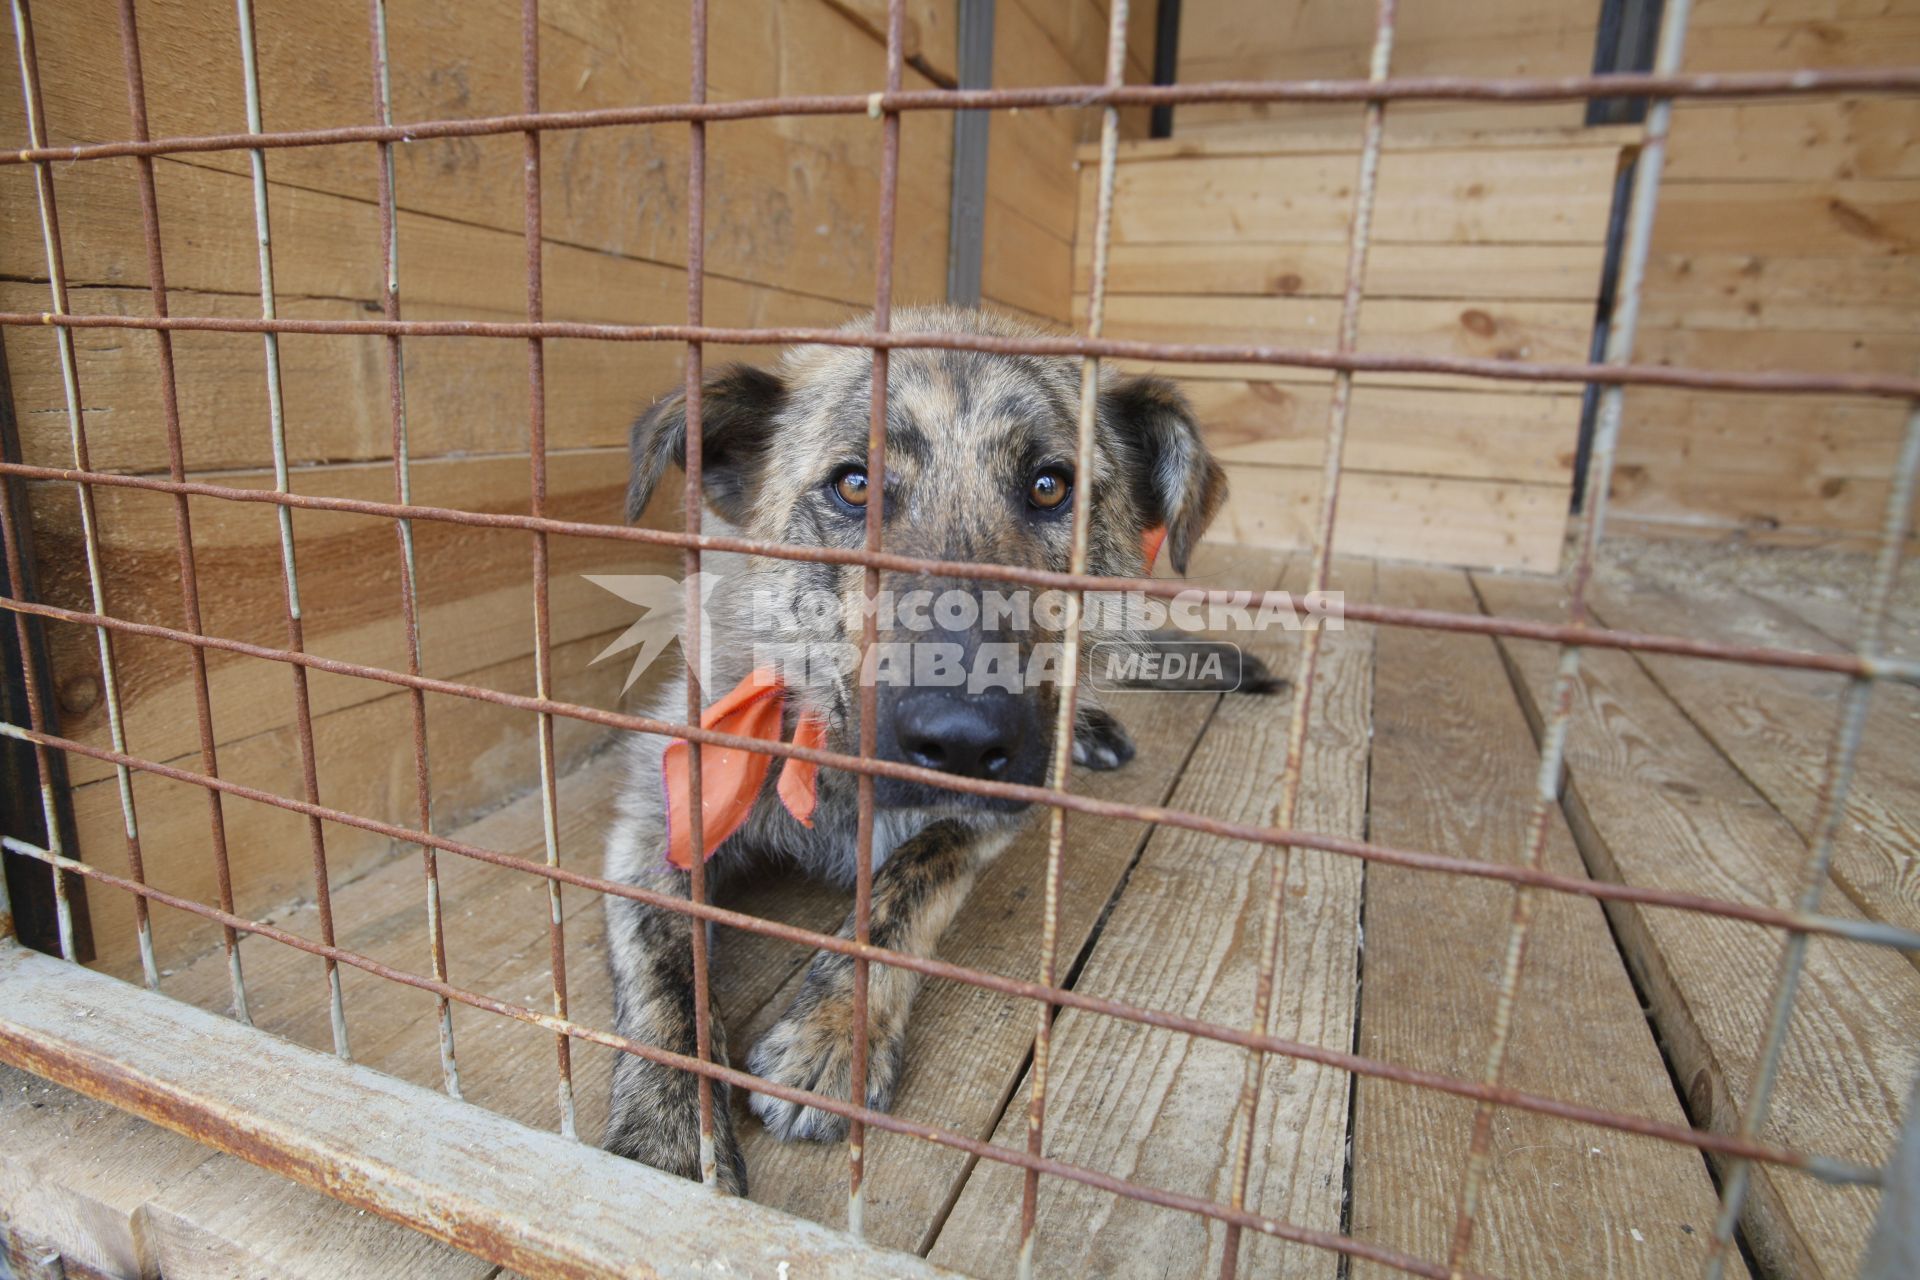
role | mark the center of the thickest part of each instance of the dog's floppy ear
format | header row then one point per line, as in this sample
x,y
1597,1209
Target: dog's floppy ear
x,y
1176,482
738,407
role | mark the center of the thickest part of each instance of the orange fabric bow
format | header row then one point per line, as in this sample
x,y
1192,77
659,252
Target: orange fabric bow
x,y
1150,540
730,778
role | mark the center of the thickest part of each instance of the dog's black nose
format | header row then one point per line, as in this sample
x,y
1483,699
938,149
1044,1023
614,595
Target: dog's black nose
x,y
973,736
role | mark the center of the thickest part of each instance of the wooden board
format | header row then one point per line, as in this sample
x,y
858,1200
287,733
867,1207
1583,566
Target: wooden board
x,y
1732,289
1505,271
537,1199
1651,802
1473,435
1301,39
1538,331
1429,195
1807,141
966,1047
1453,770
1776,727
1400,517
1156,1106
1757,462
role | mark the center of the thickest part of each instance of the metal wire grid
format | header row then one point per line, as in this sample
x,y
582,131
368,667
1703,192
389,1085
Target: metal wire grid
x,y
1664,84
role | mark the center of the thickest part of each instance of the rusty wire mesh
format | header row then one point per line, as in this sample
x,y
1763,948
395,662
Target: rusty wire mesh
x,y
1276,838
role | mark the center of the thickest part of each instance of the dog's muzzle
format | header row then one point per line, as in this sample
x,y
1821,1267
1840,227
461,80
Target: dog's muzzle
x,y
991,734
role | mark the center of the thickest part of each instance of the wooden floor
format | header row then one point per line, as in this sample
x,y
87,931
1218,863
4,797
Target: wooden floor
x,y
1681,774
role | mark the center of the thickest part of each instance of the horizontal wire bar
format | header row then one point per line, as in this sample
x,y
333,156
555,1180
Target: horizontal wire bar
x,y
1870,932
1886,386
1752,84
1826,1168
1874,668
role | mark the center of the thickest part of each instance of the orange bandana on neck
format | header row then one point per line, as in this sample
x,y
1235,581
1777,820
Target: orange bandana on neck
x,y
731,778
1150,540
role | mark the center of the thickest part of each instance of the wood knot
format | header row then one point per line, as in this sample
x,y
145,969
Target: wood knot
x,y
79,694
1478,322
1700,1097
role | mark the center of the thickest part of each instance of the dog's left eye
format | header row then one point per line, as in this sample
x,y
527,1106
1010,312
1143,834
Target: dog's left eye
x,y
1049,488
849,484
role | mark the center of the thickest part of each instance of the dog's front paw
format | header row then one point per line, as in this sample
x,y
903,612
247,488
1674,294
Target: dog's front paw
x,y
811,1048
1099,740
656,1120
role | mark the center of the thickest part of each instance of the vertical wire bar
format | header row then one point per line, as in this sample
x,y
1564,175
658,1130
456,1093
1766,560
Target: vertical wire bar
x,y
296,628
869,623
1620,339
183,525
1300,714
1848,731
1070,649
403,494
692,638
89,523
542,632
36,720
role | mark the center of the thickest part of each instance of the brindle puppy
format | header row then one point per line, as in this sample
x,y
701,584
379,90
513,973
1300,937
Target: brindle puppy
x,y
979,467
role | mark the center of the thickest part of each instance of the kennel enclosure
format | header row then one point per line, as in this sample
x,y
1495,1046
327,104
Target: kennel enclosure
x,y
422,538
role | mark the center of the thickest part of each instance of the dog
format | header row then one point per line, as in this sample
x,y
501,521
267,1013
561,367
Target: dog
x,y
980,454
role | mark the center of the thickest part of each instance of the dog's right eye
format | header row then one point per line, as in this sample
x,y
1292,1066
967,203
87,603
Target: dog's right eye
x,y
849,485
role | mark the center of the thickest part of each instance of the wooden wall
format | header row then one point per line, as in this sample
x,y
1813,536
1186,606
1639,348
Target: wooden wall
x,y
1785,240
1332,39
1485,245
791,210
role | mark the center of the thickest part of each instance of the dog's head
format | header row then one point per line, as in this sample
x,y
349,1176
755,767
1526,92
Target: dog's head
x,y
980,454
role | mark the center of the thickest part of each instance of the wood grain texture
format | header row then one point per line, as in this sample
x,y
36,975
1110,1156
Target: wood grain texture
x,y
1453,767
1437,194
1784,241
1652,802
1539,331
1401,517
1517,271
468,1175
1298,39
1156,1106
1757,463
791,202
1776,727
1472,435
476,602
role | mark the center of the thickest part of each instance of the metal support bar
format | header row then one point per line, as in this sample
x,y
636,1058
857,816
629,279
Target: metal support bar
x,y
967,221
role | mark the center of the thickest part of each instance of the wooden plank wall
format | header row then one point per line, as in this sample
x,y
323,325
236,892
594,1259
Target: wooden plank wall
x,y
1785,237
791,212
1485,244
1331,39
1785,240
